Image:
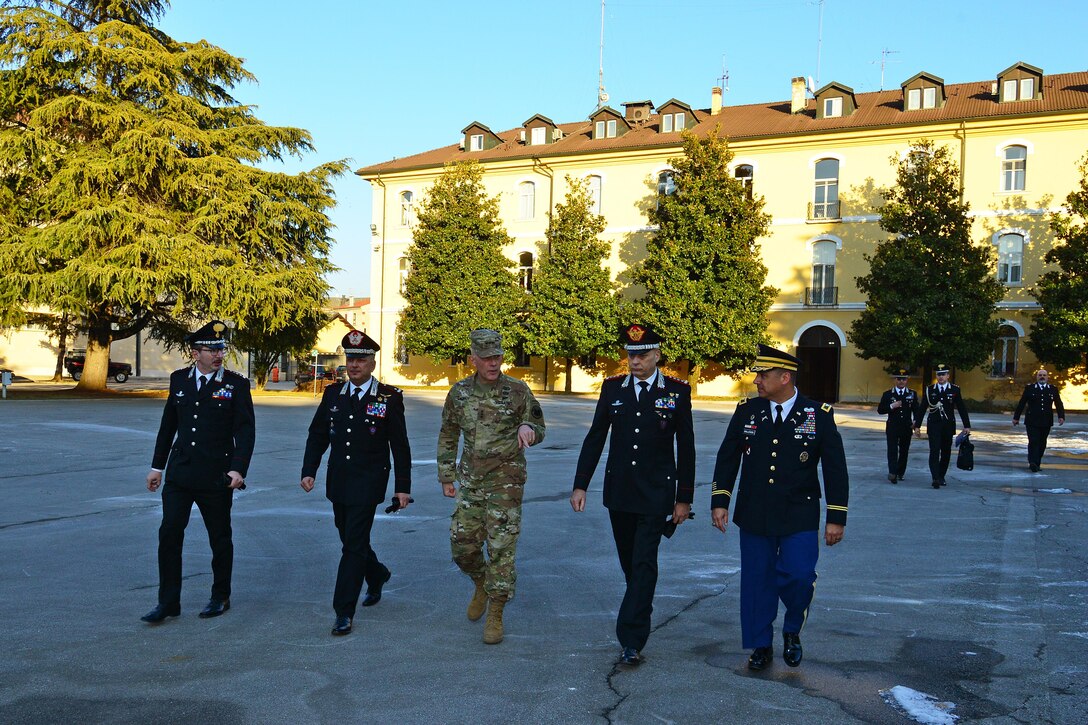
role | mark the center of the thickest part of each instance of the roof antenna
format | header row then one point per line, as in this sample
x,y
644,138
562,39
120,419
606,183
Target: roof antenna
x,y
602,96
819,41
723,79
883,62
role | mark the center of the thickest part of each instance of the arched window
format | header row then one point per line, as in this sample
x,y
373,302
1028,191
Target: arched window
x,y
1005,351
825,201
745,175
1014,168
405,268
525,271
406,208
666,183
594,186
526,200
1010,259
823,290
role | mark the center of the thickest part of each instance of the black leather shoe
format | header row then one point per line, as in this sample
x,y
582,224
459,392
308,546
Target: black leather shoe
x,y
214,608
760,658
900,476
1034,468
374,593
892,477
341,627
792,653
161,612
943,482
936,483
630,656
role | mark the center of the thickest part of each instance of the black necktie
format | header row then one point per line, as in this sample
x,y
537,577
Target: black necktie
x,y
778,414
643,385
201,381
358,394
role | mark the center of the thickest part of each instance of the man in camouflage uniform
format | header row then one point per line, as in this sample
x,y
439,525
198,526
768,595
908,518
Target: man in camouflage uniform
x,y
499,418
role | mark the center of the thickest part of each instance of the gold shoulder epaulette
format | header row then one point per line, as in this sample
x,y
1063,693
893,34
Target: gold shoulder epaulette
x,y
826,407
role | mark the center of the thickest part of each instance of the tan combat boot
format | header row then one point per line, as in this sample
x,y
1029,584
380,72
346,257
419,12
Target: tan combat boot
x,y
478,605
493,627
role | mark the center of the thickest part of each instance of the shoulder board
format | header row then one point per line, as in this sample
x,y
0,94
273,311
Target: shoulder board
x,y
826,407
742,402
228,372
389,388
678,380
616,377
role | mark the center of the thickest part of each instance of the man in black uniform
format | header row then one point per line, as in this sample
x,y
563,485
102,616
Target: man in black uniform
x,y
363,420
941,400
643,482
899,404
776,442
205,442
1040,398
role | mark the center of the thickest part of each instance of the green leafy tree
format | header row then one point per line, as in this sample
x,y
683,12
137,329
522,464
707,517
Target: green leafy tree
x,y
931,292
1059,332
703,274
458,279
130,196
572,309
265,348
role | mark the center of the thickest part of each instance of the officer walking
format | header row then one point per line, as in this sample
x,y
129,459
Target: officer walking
x,y
1040,399
499,418
776,442
362,419
644,482
204,444
941,401
899,404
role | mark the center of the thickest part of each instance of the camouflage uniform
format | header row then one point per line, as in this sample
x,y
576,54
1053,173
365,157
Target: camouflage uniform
x,y
490,476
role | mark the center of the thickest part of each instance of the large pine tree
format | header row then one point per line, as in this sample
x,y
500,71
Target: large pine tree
x,y
572,308
459,279
1059,332
931,292
703,274
129,192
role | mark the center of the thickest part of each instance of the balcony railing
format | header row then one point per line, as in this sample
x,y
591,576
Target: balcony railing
x,y
823,211
821,296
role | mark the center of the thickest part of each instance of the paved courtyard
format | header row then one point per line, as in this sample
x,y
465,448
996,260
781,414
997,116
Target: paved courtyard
x,y
976,594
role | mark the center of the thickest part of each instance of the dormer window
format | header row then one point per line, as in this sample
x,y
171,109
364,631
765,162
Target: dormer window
x,y
478,137
476,142
835,100
605,129
673,122
1019,90
608,124
923,91
833,107
1020,82
918,98
538,136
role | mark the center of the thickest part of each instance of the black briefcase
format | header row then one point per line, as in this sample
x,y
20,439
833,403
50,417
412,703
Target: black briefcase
x,y
965,459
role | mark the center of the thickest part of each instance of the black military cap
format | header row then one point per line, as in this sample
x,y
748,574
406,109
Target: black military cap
x,y
942,369
900,373
640,338
768,359
358,344
212,336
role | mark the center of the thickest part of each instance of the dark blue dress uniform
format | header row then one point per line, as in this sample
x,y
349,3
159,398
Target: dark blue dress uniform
x,y
941,406
778,506
643,480
361,435
202,436
1039,400
899,427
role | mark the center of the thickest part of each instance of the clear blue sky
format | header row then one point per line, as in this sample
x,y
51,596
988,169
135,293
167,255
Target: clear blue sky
x,y
376,80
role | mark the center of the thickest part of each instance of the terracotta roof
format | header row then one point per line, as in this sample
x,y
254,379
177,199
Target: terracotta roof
x,y
1062,92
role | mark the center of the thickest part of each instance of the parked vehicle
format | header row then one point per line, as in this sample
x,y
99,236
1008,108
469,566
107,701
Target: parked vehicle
x,y
74,360
315,371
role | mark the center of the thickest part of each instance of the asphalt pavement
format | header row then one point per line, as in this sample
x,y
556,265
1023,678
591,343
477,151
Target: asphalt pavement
x,y
974,594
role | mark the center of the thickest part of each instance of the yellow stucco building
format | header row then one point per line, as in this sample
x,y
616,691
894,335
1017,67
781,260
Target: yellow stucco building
x,y
818,162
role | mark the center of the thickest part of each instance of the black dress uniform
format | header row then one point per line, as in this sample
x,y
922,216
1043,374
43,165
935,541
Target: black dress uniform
x,y
899,427
1039,400
941,403
203,435
778,506
643,477
362,432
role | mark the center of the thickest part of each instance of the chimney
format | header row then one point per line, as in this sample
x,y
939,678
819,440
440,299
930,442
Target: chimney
x,y
797,97
715,101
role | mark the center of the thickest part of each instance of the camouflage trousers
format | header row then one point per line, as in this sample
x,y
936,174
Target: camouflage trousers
x,y
488,512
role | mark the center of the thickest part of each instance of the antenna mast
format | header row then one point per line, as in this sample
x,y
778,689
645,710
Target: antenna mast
x,y
819,42
883,62
602,96
723,80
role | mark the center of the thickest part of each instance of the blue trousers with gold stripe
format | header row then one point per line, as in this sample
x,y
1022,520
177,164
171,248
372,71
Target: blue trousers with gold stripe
x,y
774,568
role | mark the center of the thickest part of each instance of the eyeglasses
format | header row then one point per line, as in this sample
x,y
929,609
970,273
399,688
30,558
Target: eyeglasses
x,y
217,351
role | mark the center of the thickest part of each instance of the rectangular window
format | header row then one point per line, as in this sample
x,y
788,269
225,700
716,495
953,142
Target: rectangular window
x,y
833,107
611,133
666,123
679,122
930,98
526,200
1027,89
476,142
1010,91
598,129
538,136
914,99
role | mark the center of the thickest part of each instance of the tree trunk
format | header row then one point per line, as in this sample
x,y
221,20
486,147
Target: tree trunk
x,y
96,365
694,371
570,370
62,349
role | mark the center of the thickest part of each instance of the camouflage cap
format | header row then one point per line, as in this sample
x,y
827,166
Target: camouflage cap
x,y
485,343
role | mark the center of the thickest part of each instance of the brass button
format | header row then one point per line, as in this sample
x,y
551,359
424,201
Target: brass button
x,y
772,468
347,458
634,446
775,441
774,454
770,481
